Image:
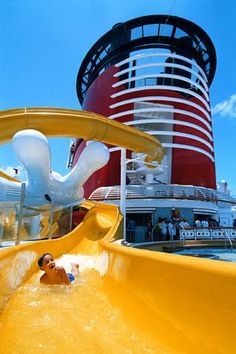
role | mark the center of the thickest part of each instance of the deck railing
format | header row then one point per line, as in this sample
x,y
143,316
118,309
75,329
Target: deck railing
x,y
162,191
20,222
214,233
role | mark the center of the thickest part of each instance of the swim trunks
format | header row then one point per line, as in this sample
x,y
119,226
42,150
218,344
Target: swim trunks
x,y
71,277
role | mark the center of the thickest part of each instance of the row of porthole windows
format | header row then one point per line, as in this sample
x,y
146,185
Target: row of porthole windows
x,y
213,234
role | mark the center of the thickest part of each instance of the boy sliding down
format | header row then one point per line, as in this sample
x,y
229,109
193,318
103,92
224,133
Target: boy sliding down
x,y
56,274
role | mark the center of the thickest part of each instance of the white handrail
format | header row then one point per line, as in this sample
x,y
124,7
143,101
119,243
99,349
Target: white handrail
x,y
162,87
229,239
169,65
161,98
162,110
169,121
168,55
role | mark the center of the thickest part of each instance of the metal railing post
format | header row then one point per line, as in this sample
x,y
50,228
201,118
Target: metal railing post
x,y
1,228
229,239
50,222
20,216
71,217
123,188
172,240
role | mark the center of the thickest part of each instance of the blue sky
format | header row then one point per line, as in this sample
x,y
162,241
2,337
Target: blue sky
x,y
43,43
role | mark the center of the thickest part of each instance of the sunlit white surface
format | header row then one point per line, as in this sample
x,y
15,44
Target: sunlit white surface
x,y
44,186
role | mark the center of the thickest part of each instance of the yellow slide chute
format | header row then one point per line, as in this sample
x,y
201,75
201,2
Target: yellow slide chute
x,y
81,124
7,177
125,300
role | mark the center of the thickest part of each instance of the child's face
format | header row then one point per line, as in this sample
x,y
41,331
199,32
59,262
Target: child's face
x,y
48,263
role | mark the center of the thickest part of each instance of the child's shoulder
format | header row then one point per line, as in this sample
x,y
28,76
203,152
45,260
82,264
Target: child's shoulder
x,y
43,278
59,269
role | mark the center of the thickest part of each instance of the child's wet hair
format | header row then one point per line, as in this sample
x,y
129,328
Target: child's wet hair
x,y
40,260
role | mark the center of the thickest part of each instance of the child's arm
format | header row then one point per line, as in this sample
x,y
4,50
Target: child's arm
x,y
63,275
75,269
43,279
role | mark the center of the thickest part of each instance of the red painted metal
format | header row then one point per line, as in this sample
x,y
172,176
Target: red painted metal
x,y
188,167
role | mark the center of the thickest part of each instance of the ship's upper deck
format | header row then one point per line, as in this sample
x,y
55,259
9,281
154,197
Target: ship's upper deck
x,y
170,33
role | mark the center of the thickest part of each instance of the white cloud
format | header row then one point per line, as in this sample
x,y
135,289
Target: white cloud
x,y
226,108
11,171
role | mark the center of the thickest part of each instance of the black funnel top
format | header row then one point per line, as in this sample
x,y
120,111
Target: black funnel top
x,y
156,31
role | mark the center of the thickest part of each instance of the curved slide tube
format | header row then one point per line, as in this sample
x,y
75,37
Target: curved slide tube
x,y
7,177
73,123
132,300
32,150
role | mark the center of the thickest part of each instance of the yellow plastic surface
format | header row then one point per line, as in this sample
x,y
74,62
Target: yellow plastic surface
x,y
125,300
74,123
6,176
130,301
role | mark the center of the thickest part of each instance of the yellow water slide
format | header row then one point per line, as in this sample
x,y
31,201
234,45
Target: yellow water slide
x,y
125,300
74,123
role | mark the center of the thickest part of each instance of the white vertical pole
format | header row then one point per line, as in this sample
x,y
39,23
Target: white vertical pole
x,y
50,222
123,187
71,217
20,216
